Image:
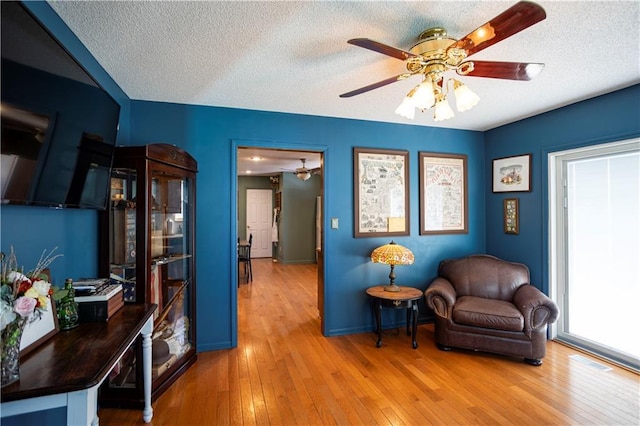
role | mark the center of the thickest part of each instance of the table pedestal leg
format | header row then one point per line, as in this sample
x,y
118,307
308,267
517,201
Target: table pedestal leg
x,y
377,310
414,325
409,312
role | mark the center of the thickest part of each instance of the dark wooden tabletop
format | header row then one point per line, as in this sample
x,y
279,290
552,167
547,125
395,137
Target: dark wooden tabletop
x,y
78,358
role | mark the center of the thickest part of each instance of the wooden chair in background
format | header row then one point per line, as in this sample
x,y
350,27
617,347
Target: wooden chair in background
x,y
244,258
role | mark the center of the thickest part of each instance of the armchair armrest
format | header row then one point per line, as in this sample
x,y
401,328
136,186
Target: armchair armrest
x,y
538,309
440,296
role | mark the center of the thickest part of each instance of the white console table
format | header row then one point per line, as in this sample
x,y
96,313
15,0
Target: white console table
x,y
67,370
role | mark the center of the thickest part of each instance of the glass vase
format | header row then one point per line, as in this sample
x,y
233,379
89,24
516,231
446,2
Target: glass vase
x,y
10,352
68,308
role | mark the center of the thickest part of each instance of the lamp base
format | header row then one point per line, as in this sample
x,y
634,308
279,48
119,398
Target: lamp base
x,y
392,287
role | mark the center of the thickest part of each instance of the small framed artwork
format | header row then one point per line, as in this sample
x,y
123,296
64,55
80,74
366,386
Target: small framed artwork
x,y
278,200
381,192
443,193
511,216
512,174
37,331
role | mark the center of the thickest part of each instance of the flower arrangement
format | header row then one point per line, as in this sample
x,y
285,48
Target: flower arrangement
x,y
23,294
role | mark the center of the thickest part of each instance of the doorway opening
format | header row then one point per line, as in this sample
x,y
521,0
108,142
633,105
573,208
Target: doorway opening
x,y
279,193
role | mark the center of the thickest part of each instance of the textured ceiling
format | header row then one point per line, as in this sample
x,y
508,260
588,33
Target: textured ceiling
x,y
293,56
253,161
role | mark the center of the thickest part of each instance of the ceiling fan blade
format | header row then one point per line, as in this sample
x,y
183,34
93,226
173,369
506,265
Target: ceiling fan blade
x,y
504,70
376,85
518,17
381,48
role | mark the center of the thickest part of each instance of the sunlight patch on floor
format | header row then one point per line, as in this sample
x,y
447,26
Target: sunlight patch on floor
x,y
589,362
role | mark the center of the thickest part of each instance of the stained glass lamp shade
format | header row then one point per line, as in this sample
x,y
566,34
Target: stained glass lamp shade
x,y
392,254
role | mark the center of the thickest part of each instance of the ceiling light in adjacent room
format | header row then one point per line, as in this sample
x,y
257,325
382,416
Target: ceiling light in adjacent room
x,y
305,175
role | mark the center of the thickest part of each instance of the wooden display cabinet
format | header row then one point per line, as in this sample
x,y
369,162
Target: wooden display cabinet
x,y
148,242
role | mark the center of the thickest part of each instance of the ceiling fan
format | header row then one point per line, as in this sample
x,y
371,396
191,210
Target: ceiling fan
x,y
303,173
436,53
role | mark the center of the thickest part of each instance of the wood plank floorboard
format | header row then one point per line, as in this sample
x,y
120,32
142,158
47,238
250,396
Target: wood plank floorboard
x,y
284,372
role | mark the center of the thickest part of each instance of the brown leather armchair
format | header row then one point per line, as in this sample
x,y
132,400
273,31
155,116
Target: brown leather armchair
x,y
487,304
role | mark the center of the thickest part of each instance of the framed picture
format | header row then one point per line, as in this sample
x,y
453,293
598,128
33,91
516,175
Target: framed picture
x,y
381,192
511,216
39,330
443,193
278,200
512,174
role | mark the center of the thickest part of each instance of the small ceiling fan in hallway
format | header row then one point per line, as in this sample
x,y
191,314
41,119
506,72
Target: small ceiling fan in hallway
x,y
303,173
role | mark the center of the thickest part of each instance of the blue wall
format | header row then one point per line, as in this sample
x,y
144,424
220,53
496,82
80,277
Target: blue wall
x,y
608,118
75,232
212,135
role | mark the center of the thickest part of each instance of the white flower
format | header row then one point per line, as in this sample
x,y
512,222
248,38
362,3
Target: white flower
x,y
7,315
42,287
15,276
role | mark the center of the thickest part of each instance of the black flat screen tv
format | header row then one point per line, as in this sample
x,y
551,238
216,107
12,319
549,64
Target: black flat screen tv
x,y
59,126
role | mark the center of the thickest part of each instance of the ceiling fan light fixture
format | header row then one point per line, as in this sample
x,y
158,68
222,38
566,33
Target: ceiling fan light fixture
x,y
436,53
443,111
465,97
303,175
407,108
423,97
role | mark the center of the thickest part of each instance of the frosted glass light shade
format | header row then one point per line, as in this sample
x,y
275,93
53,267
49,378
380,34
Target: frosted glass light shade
x,y
465,98
302,175
443,110
407,108
424,98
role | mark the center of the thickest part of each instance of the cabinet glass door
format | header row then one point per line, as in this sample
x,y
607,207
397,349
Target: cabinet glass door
x,y
171,266
123,258
122,238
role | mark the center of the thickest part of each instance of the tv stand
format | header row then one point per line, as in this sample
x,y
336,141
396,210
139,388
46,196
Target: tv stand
x,y
67,370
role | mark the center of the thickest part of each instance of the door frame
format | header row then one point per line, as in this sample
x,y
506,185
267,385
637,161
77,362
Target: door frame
x,y
245,143
556,231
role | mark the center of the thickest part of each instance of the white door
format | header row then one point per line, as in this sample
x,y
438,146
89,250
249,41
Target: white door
x,y
259,221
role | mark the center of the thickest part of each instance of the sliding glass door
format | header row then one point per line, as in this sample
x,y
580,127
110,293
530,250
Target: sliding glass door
x,y
595,248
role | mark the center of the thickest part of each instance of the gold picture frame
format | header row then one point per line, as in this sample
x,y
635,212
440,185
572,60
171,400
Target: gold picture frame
x,y
381,192
443,193
511,216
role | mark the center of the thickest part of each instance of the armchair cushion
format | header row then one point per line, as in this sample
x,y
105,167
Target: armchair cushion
x,y
488,313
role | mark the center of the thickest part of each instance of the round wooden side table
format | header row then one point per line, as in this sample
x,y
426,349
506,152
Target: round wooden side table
x,y
407,298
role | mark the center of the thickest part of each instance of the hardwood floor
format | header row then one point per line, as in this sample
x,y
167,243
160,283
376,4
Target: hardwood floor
x,y
284,372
